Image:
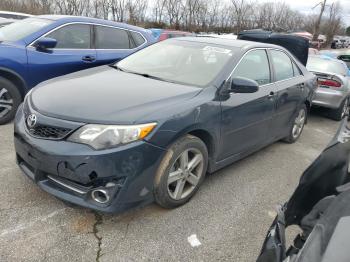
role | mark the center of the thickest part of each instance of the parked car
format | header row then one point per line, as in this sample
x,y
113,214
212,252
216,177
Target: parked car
x,y
151,126
336,43
319,207
14,15
343,55
163,34
43,47
334,86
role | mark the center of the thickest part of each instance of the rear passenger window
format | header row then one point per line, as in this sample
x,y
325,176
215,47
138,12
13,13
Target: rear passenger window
x,y
254,66
282,65
111,38
138,38
75,36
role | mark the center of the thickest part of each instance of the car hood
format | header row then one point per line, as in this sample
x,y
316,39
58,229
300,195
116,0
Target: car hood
x,y
106,95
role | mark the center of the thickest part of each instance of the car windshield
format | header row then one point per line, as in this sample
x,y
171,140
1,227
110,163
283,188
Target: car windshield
x,y
22,28
317,64
184,62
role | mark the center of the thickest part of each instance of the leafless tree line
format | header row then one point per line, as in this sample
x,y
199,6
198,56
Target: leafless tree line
x,y
190,15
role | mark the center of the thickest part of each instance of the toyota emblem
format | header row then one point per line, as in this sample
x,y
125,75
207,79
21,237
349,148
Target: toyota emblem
x,y
31,120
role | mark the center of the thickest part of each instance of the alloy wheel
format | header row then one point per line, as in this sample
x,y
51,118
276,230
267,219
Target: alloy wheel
x,y
185,174
299,123
6,102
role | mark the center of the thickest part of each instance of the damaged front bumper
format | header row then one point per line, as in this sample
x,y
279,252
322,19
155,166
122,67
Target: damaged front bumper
x,y
112,180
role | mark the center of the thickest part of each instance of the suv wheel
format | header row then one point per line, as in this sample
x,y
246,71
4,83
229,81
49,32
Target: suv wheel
x,y
339,113
181,172
10,99
297,126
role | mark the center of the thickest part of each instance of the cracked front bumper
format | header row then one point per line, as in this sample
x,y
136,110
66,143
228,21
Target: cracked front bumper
x,y
70,171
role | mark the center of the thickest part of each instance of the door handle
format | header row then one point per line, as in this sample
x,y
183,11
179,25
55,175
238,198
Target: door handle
x,y
88,58
271,95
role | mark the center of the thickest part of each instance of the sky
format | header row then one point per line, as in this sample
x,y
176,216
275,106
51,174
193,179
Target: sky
x,y
305,6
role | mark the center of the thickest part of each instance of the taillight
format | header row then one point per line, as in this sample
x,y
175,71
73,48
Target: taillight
x,y
328,83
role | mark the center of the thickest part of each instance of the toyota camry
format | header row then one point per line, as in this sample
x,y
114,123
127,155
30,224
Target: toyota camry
x,y
150,127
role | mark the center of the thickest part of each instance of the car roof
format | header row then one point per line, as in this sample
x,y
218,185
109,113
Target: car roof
x,y
71,18
243,44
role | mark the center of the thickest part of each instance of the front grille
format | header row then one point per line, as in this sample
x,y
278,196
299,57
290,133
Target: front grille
x,y
49,132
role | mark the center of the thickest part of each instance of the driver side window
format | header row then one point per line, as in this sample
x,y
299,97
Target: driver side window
x,y
75,36
254,66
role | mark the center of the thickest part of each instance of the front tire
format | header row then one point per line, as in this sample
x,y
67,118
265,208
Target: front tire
x,y
298,125
10,99
181,172
339,113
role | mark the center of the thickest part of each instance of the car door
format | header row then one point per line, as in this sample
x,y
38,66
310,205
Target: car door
x,y
246,117
113,44
73,52
288,84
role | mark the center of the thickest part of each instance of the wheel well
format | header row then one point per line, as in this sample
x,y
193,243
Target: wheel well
x,y
15,80
206,138
308,105
308,108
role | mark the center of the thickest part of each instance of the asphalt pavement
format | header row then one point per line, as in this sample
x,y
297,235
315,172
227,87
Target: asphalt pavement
x,y
226,220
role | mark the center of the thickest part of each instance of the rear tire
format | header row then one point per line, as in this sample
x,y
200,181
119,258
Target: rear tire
x,y
339,113
181,172
298,124
10,99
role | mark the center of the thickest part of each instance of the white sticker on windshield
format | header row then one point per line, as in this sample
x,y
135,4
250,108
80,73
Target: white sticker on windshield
x,y
217,49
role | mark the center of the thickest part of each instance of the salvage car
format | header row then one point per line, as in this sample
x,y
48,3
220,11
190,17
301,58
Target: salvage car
x,y
150,127
35,49
320,207
333,85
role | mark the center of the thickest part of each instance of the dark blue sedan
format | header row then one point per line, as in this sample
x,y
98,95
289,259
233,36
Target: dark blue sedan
x,y
43,47
150,127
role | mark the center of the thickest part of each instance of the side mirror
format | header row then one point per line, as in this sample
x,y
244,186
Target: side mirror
x,y
45,43
243,85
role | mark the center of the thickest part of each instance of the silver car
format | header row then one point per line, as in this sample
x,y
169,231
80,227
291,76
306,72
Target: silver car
x,y
333,84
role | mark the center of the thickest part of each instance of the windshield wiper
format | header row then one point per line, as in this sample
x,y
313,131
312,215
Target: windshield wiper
x,y
142,74
152,77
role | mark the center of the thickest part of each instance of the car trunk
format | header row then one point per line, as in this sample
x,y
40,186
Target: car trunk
x,y
329,81
297,45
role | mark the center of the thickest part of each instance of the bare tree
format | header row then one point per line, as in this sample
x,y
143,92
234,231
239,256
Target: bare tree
x,y
333,22
318,22
159,10
193,15
241,9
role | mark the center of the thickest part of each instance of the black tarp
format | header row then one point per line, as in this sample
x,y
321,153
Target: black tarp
x,y
297,45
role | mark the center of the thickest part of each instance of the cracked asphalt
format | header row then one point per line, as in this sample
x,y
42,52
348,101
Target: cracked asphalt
x,y
229,215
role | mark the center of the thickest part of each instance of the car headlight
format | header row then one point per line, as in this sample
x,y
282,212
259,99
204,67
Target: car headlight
x,y
109,136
